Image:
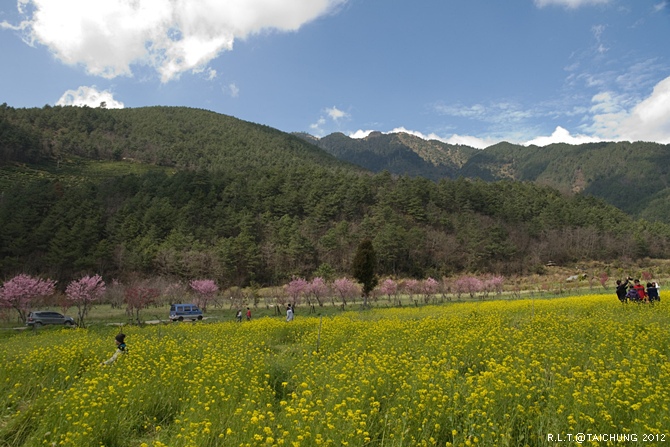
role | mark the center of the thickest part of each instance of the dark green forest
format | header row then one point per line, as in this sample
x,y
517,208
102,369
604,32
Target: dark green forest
x,y
188,193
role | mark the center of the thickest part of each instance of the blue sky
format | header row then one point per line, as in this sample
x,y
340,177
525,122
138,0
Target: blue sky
x,y
471,72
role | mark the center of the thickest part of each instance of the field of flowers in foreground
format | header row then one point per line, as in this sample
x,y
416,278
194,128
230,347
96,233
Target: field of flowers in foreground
x,y
485,373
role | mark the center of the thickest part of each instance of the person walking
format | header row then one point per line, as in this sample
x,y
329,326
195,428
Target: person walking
x,y
289,313
248,314
238,316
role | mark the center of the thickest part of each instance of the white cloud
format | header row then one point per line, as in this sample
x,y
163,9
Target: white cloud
x,y
598,31
608,111
360,133
561,135
172,36
89,96
650,119
211,74
658,7
336,114
232,90
317,127
468,140
640,75
619,117
571,4
622,117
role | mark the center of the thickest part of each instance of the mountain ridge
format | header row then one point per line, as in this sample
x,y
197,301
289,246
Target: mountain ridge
x,y
631,176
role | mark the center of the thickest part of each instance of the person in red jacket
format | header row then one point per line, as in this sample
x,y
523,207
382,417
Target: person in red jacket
x,y
640,290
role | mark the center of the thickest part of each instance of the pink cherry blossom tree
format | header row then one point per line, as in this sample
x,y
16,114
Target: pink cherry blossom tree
x,y
494,284
206,290
83,292
429,287
345,289
20,292
469,285
318,289
389,288
412,287
296,288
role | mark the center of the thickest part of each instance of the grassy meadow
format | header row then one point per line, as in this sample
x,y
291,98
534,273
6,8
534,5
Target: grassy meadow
x,y
490,373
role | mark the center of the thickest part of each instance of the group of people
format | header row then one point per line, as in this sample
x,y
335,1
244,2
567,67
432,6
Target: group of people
x,y
636,292
289,314
238,315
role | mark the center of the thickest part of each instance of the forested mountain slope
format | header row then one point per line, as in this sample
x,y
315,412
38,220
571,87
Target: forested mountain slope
x,y
166,136
634,177
191,194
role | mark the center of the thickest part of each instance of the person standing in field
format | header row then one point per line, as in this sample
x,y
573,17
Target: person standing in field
x,y
632,294
248,314
621,291
238,316
289,313
640,290
120,340
652,292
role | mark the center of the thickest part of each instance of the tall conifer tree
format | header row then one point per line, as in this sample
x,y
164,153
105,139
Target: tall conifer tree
x,y
363,268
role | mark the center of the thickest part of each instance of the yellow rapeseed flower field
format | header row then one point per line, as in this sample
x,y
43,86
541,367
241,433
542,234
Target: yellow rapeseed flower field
x,y
499,373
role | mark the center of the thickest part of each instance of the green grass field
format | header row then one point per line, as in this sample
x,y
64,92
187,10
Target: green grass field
x,y
507,372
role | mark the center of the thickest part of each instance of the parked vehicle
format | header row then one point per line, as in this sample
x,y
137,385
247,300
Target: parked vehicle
x,y
181,312
43,317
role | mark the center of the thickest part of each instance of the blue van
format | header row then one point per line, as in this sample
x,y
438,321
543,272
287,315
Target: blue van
x,y
181,312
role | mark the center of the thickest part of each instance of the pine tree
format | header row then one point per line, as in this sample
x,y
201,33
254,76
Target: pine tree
x,y
363,268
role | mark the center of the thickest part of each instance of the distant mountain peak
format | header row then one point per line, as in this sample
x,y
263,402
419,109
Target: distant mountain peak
x,y
374,134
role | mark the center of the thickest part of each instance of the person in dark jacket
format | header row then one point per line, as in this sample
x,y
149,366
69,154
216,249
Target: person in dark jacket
x,y
652,292
621,289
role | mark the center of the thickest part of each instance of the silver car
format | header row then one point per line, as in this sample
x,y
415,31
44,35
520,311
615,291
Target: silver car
x,y
43,317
